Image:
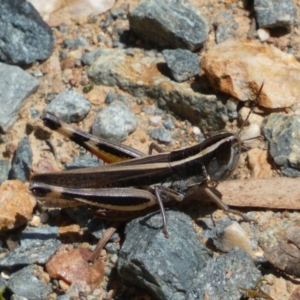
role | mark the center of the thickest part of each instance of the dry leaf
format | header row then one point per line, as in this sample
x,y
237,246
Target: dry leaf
x,y
279,192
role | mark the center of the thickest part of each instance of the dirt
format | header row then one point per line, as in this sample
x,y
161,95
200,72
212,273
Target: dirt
x,y
54,80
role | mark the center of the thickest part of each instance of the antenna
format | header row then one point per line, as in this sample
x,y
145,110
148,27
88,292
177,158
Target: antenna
x,y
252,107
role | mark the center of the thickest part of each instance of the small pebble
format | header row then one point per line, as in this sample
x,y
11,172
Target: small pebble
x,y
114,258
160,134
253,118
263,34
155,120
196,130
233,236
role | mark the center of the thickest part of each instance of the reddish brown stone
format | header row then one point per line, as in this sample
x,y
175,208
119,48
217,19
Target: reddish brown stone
x,y
73,266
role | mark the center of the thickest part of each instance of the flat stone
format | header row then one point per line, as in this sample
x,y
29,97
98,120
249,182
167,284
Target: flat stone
x,y
30,282
239,68
175,24
114,122
225,26
4,167
182,63
223,276
164,267
24,36
283,135
69,106
276,13
160,134
21,162
34,252
13,96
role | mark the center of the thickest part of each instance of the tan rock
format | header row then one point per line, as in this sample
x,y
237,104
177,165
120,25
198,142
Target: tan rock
x,y
252,118
16,204
74,7
260,168
72,232
73,266
239,68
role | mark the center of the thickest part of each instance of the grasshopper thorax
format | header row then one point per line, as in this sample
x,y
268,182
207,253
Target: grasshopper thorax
x,y
221,155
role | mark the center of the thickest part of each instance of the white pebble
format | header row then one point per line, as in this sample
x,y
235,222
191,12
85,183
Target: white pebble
x,y
263,34
235,236
253,118
250,133
155,120
196,131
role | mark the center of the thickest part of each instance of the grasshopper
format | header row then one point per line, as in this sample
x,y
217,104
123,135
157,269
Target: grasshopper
x,y
133,181
111,186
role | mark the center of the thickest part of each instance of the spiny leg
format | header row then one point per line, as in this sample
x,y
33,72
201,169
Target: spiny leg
x,y
207,190
102,242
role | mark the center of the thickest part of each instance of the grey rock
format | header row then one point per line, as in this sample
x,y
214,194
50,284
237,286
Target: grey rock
x,y
69,106
110,97
168,123
107,21
38,251
123,99
80,42
276,13
225,26
34,113
148,110
27,283
4,168
119,13
38,233
97,228
63,55
69,43
24,36
114,122
183,64
84,162
166,268
170,24
158,111
160,134
100,37
232,108
129,52
205,111
16,86
283,135
63,28
2,284
112,248
63,297
116,44
37,73
21,162
213,280
89,57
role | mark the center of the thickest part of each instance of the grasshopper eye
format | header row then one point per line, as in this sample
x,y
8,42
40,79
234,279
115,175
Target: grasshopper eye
x,y
39,191
223,159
